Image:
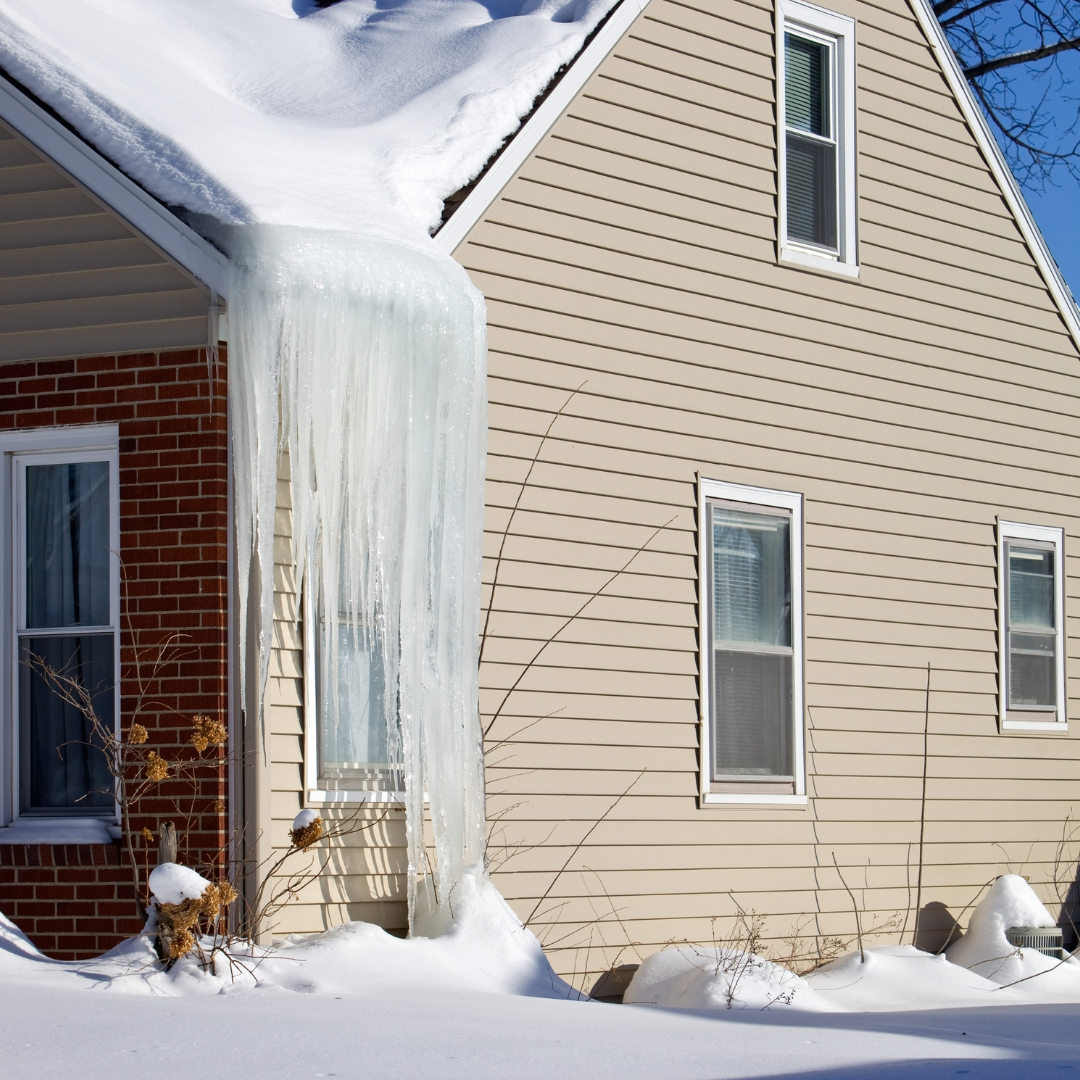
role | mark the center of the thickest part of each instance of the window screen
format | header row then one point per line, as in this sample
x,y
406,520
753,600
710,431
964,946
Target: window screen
x,y
1031,633
811,149
752,656
67,587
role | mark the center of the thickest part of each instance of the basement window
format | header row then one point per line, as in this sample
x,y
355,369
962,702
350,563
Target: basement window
x,y
1031,628
816,147
751,588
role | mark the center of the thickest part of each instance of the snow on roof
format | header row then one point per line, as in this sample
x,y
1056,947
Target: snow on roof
x,y
362,116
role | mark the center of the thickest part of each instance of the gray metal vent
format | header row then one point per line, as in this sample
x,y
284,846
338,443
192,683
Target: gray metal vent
x,y
1048,940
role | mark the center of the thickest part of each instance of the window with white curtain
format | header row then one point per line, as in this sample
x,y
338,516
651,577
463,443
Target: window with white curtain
x,y
816,107
65,596
1031,633
752,636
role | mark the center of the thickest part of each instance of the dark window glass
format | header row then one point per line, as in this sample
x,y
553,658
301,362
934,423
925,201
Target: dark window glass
x,y
63,766
67,544
1032,636
750,616
67,585
812,190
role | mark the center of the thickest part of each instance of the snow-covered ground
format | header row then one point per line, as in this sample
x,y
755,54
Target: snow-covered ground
x,y
480,1000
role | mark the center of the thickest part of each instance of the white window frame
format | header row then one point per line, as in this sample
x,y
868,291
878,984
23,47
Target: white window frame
x,y
99,442
839,31
787,500
1016,720
315,796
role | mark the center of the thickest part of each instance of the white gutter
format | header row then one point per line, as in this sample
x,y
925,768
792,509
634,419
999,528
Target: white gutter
x,y
89,169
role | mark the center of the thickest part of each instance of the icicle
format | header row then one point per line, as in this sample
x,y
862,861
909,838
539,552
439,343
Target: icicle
x,y
366,361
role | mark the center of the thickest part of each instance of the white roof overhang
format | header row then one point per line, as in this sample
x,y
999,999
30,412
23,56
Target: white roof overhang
x,y
121,194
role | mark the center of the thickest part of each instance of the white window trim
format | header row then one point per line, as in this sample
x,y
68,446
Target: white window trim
x,y
102,442
1014,530
788,500
796,15
314,796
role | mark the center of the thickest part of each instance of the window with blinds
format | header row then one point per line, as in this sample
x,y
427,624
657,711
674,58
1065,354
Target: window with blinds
x,y
812,192
751,656
816,141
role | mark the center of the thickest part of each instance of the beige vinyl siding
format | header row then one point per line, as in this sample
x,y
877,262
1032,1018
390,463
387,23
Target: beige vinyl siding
x,y
632,260
74,278
365,872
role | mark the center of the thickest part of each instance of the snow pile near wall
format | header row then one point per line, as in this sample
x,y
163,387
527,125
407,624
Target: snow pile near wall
x,y
985,949
363,116
482,947
171,883
692,977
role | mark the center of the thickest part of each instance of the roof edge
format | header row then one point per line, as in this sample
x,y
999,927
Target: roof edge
x,y
528,136
999,167
99,176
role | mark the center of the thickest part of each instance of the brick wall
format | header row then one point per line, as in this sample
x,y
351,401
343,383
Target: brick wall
x,y
76,901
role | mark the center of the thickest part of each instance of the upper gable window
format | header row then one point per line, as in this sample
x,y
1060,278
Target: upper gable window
x,y
817,144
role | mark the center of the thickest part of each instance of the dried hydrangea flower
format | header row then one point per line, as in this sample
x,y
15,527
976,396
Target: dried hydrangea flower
x,y
137,734
157,768
147,835
206,731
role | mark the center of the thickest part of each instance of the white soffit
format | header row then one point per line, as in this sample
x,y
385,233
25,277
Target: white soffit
x,y
537,126
525,141
88,168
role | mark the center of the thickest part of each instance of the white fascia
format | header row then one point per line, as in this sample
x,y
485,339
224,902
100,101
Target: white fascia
x,y
1015,530
90,170
839,30
528,137
789,500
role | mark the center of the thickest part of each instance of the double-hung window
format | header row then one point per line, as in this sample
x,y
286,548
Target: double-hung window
x,y
64,599
751,628
1031,609
816,106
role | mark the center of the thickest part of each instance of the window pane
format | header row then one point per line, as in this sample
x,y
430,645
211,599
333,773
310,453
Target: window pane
x,y
1031,671
751,584
353,749
811,191
60,770
806,85
1031,587
67,544
752,706
751,606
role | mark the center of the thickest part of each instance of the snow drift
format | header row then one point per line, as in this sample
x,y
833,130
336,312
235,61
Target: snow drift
x,y
363,116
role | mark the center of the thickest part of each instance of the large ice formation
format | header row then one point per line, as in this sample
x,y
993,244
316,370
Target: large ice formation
x,y
366,362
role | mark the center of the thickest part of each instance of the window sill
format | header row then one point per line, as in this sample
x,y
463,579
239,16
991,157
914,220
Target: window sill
x,y
716,798
1046,727
32,831
319,797
804,260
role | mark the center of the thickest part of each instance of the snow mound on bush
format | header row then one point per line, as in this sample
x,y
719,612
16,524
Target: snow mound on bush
x,y
689,977
986,950
171,883
483,947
